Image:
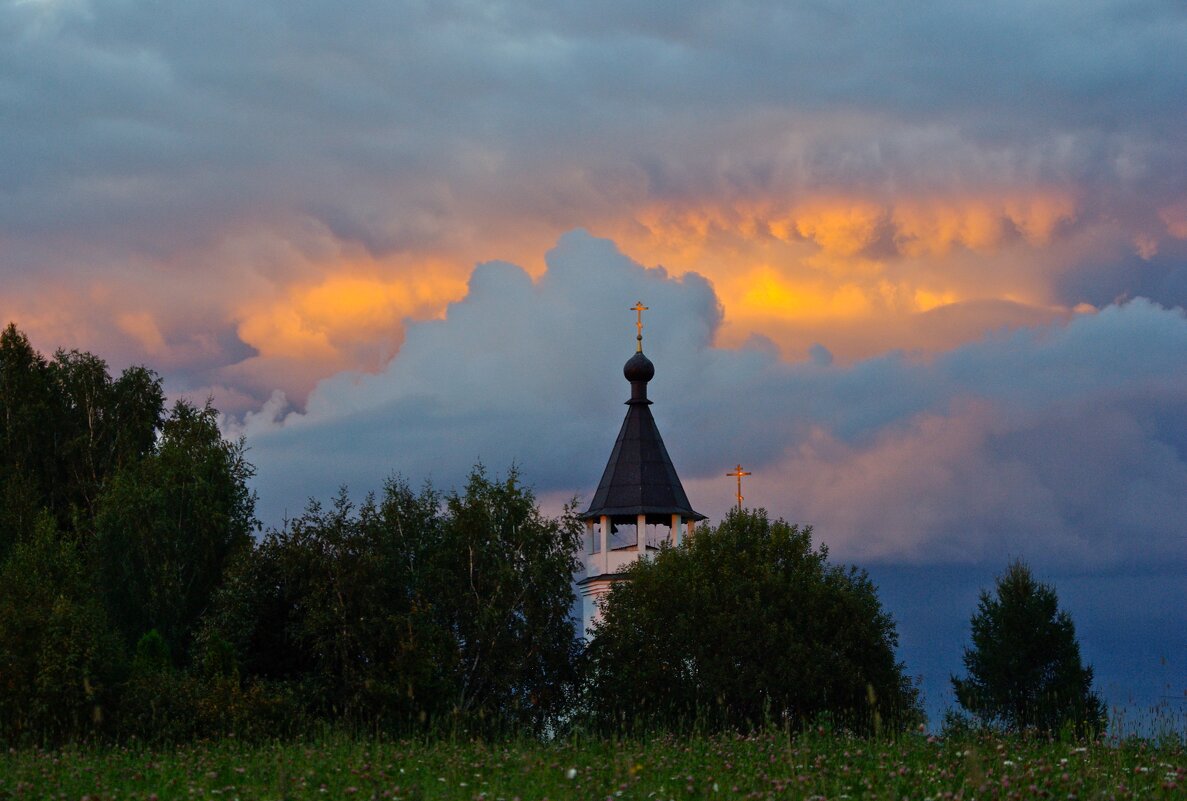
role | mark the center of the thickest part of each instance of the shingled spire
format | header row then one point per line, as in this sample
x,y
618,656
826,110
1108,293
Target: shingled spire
x,y
639,478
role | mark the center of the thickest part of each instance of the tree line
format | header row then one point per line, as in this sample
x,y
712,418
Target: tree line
x,y
140,598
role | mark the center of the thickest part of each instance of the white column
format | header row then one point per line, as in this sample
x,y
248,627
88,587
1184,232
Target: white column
x,y
605,543
691,526
641,534
591,541
674,531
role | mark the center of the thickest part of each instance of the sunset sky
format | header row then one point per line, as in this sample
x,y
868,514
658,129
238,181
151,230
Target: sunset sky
x,y
920,267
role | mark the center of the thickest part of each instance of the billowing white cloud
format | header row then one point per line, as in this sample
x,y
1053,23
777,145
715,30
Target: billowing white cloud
x,y
517,371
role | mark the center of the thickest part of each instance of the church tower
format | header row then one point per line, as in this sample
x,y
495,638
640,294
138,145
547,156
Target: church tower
x,y
640,502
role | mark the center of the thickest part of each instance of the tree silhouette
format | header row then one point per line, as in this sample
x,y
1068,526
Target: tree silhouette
x,y
1024,667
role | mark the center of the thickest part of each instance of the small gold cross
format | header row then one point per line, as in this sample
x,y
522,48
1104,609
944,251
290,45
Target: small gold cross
x,y
739,472
639,308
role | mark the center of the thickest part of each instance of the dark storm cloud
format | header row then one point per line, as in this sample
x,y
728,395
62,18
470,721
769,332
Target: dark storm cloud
x,y
1104,280
148,114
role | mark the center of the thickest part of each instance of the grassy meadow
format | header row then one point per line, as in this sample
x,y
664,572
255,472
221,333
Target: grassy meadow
x,y
769,765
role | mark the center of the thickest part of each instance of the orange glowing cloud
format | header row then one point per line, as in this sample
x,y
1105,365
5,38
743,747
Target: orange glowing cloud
x,y
681,234
763,292
926,300
841,226
344,317
1036,216
933,226
141,327
860,271
930,227
849,225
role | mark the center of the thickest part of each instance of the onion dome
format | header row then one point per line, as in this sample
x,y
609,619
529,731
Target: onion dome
x,y
638,370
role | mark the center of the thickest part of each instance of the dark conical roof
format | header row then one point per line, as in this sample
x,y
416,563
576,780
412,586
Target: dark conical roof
x,y
639,478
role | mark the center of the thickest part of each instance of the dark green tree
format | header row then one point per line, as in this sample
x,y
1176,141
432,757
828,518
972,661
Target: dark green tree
x,y
65,427
1024,667
744,624
504,588
26,436
417,611
103,424
168,524
333,605
58,656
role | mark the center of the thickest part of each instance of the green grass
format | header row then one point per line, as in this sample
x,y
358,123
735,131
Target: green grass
x,y
770,765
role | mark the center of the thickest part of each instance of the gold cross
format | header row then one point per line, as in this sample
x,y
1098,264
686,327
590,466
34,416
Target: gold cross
x,y
639,308
739,472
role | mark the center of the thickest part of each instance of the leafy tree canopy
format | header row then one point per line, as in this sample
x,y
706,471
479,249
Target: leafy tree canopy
x,y
417,610
66,426
1024,667
741,624
168,524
